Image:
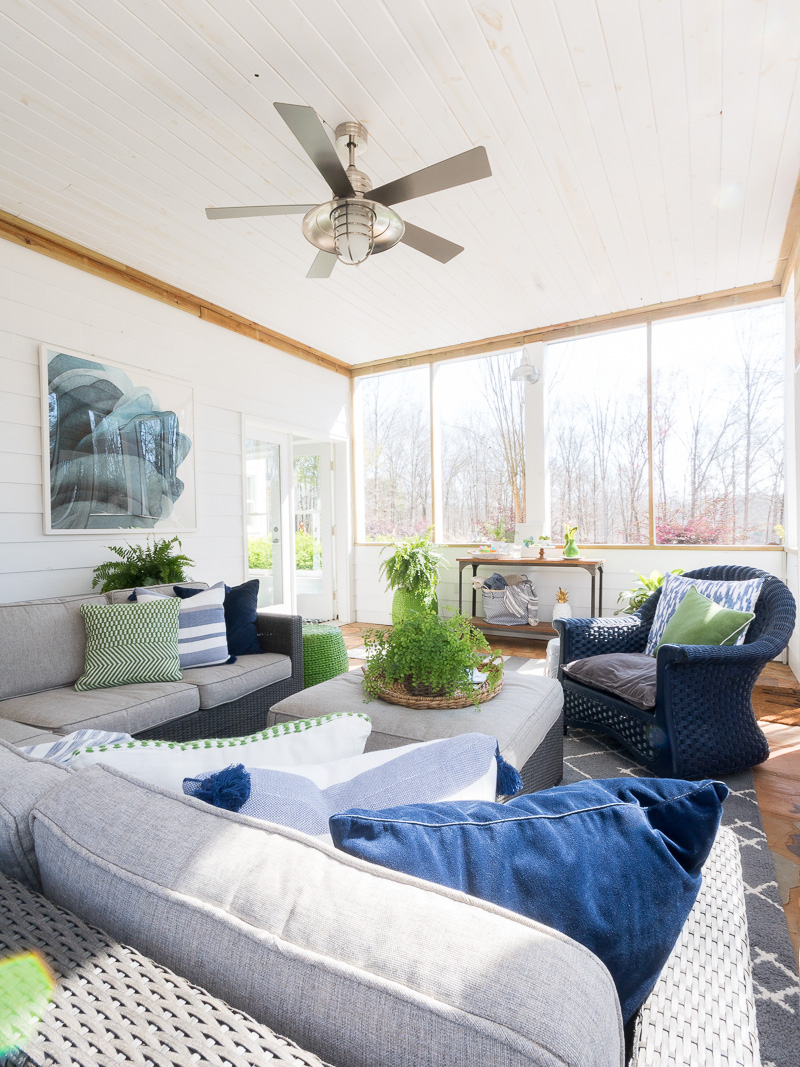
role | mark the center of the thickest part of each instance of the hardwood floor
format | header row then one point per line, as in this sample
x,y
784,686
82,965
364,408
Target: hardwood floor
x,y
777,782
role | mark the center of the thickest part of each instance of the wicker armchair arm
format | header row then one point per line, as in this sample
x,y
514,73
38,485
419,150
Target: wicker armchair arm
x,y
581,638
752,655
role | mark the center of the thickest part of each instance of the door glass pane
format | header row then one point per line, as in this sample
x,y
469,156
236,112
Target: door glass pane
x,y
482,414
718,398
308,523
264,519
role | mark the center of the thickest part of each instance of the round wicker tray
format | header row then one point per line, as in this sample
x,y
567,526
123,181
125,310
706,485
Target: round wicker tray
x,y
422,696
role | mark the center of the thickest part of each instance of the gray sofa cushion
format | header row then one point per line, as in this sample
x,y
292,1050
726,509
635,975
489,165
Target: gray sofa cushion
x,y
229,681
519,716
23,781
358,964
42,644
126,708
21,734
119,596
630,676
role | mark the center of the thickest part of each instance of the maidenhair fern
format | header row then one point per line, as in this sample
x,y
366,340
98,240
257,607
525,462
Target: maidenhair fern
x,y
413,567
150,564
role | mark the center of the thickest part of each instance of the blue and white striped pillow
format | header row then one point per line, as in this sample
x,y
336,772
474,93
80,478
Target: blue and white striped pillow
x,y
739,596
202,640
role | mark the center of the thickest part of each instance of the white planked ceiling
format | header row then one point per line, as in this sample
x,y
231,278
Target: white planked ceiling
x,y
642,150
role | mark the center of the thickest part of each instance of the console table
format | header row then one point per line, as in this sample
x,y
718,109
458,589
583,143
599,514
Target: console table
x,y
593,566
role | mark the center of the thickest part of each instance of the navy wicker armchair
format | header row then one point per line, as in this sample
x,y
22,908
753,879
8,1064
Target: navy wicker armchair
x,y
703,722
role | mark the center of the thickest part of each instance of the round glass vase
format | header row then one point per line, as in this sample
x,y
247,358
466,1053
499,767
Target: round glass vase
x,y
571,550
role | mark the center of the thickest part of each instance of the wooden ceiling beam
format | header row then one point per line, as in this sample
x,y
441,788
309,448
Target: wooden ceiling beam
x,y
615,320
13,228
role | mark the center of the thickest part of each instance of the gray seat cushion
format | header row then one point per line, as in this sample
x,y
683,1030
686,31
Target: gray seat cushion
x,y
125,708
23,781
519,716
20,733
230,681
631,676
352,961
42,644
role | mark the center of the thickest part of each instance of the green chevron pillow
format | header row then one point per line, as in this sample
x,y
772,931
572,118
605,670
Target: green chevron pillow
x,y
130,643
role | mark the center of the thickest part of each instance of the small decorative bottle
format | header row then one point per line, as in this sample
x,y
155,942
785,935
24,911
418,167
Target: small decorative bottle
x,y
571,550
561,608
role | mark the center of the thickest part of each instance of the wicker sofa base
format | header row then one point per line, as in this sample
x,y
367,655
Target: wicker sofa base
x,y
237,718
545,767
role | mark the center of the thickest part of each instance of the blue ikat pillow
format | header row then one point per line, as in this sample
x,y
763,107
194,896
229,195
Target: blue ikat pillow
x,y
739,596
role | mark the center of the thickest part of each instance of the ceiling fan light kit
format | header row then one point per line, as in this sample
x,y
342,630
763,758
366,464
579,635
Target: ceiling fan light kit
x,y
353,226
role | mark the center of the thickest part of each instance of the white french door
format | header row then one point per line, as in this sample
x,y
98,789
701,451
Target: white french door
x,y
314,558
270,529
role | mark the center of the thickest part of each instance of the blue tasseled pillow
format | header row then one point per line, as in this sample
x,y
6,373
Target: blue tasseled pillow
x,y
614,864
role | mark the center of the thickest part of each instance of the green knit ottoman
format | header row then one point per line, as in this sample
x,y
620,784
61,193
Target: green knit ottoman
x,y
324,654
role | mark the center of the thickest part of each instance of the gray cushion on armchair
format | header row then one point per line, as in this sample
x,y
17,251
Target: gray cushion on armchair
x,y
630,676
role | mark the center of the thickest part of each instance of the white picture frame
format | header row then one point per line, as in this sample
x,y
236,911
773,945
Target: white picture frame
x,y
112,469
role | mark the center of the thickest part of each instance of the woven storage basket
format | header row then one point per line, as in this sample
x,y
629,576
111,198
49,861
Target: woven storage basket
x,y
421,696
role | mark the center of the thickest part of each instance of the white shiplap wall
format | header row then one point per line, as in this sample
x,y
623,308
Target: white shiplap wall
x,y
44,300
373,604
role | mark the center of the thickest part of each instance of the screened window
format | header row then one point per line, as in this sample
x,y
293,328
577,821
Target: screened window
x,y
482,433
597,437
718,428
393,412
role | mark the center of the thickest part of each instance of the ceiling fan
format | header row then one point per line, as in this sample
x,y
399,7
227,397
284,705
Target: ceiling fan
x,y
352,226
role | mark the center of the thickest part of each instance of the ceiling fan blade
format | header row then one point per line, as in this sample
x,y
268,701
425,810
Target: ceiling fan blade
x,y
306,126
430,244
323,265
457,170
262,209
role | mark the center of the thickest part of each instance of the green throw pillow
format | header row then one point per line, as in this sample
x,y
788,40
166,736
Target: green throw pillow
x,y
699,621
130,643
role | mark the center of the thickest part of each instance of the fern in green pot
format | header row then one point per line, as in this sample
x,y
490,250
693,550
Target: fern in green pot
x,y
412,571
153,563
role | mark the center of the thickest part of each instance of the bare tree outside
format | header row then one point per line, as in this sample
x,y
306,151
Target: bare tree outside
x,y
482,414
396,454
719,467
597,437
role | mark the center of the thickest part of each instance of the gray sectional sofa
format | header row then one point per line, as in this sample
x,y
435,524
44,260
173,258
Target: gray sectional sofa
x,y
359,965
42,648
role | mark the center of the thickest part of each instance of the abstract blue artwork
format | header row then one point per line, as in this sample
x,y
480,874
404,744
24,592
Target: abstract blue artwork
x,y
117,457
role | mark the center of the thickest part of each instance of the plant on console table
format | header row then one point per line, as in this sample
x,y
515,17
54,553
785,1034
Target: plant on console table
x,y
428,661
571,550
154,563
412,571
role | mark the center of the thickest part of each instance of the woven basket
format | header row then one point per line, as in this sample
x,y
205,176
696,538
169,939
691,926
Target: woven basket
x,y
422,696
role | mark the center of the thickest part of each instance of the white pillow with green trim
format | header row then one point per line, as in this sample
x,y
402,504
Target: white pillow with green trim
x,y
167,763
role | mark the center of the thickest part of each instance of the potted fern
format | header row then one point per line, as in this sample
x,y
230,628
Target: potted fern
x,y
430,662
153,563
412,571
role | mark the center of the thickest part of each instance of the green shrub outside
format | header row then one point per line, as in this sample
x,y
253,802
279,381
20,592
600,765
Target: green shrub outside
x,y
259,554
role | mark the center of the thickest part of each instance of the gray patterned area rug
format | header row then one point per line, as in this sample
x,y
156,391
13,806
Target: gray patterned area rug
x,y
775,980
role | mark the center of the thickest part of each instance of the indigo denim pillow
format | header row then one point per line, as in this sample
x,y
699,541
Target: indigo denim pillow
x,y
613,864
241,603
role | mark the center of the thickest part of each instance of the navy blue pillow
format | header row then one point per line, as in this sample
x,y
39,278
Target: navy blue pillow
x,y
614,864
241,603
